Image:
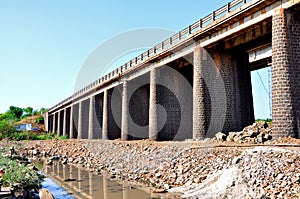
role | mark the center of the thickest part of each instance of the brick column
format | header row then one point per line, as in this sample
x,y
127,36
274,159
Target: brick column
x,y
105,116
91,118
58,124
222,91
80,121
286,73
125,112
71,123
199,115
65,123
53,123
153,115
46,121
49,122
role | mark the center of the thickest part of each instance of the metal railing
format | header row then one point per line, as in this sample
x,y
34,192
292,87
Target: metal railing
x,y
166,44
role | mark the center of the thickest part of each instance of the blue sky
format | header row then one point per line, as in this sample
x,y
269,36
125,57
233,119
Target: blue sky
x,y
43,44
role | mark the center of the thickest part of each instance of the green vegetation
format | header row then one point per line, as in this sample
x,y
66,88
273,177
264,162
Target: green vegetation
x,y
28,135
7,128
39,120
19,176
16,113
8,124
265,120
63,137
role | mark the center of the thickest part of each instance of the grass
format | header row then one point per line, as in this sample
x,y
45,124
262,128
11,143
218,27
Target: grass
x,y
265,120
27,135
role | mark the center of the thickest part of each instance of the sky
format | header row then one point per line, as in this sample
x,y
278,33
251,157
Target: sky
x,y
44,44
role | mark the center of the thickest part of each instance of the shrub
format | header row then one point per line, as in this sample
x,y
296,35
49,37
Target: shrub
x,y
39,120
24,135
19,176
7,129
63,137
46,136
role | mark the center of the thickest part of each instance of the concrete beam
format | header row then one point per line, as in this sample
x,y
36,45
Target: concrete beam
x,y
260,53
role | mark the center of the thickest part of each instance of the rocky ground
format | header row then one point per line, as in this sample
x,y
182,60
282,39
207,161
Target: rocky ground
x,y
202,169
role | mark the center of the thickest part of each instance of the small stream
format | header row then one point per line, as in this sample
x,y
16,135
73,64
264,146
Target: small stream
x,y
68,181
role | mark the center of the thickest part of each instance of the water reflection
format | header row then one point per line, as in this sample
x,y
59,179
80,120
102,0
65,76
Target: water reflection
x,y
83,184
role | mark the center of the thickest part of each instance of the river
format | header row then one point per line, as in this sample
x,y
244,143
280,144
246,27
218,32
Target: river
x,y
68,181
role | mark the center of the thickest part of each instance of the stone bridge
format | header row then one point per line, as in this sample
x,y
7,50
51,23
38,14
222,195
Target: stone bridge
x,y
196,82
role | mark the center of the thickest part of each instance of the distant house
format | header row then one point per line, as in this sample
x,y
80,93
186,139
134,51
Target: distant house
x,y
24,127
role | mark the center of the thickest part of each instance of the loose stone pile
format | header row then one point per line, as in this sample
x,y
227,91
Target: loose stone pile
x,y
259,132
261,172
199,169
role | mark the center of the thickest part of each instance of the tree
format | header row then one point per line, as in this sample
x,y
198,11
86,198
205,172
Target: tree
x,y
28,111
16,112
43,110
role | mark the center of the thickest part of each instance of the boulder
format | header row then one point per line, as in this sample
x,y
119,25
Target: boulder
x,y
45,194
221,136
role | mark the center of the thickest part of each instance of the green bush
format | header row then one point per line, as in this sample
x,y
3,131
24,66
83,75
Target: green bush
x,y
39,120
46,136
19,176
27,135
24,135
7,129
63,137
265,120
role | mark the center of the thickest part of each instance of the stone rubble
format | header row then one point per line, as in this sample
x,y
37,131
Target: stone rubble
x,y
258,132
192,168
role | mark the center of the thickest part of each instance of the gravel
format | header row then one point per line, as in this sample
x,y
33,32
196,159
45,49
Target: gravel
x,y
206,169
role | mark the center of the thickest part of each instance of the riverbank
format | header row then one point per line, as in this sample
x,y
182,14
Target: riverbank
x,y
18,175
270,171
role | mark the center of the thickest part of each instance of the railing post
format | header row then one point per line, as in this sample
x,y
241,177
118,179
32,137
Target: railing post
x,y
228,7
171,41
200,23
213,16
245,1
190,30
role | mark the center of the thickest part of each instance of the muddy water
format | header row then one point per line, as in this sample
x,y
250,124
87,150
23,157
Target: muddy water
x,y
73,182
